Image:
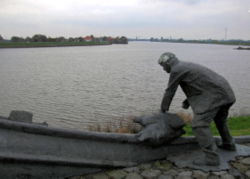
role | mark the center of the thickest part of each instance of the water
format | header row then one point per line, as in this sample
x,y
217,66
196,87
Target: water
x,y
73,87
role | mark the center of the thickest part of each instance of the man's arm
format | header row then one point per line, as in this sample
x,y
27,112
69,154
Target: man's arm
x,y
170,92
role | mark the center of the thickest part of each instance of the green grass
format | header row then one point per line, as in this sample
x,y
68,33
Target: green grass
x,y
47,44
238,126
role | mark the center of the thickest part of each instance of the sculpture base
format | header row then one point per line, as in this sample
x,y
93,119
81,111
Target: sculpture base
x,y
186,158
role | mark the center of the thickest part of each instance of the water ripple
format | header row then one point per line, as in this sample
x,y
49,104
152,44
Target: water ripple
x,y
76,87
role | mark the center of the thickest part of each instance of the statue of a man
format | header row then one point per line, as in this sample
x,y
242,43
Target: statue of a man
x,y
210,97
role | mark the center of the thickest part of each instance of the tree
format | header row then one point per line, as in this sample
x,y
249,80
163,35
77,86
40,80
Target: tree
x,y
28,39
50,39
79,39
124,40
1,38
120,40
60,39
17,39
39,38
71,39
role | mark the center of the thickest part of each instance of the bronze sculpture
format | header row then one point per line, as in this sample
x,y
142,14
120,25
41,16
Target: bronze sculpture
x,y
210,97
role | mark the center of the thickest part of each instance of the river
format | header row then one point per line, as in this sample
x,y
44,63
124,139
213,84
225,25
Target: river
x,y
74,87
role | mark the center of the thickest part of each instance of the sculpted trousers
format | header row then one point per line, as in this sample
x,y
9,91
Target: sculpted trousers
x,y
207,144
202,132
221,124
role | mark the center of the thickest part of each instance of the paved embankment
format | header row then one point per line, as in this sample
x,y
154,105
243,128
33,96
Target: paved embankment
x,y
240,169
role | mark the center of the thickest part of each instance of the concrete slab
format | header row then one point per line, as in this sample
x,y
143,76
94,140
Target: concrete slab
x,y
185,159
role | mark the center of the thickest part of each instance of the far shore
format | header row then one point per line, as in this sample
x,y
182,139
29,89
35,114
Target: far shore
x,y
48,44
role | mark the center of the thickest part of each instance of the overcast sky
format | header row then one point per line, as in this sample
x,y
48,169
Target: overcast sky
x,y
188,19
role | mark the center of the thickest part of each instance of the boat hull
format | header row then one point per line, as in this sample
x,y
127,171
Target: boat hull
x,y
42,152
30,150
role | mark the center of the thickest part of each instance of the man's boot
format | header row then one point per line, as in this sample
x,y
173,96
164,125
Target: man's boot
x,y
221,124
207,144
211,158
227,140
229,147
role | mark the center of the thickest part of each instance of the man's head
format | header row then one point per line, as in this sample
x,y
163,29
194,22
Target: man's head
x,y
166,60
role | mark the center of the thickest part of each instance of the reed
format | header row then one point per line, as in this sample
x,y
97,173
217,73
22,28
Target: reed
x,y
238,125
117,125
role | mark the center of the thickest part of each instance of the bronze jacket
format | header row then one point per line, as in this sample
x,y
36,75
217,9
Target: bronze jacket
x,y
205,89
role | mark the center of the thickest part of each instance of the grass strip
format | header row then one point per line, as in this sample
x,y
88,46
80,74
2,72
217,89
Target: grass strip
x,y
238,126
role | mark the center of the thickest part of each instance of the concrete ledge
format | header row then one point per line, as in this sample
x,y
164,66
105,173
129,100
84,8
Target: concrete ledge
x,y
191,139
242,139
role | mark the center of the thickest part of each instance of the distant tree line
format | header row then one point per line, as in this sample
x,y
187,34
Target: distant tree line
x,y
210,41
1,38
44,38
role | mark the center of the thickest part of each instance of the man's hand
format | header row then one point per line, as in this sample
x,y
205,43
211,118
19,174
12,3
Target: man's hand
x,y
185,104
136,120
165,103
163,109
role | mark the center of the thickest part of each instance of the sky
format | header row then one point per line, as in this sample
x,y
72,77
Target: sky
x,y
188,19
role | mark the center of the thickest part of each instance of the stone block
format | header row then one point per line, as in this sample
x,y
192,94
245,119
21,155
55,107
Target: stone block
x,y
248,173
171,172
200,174
131,169
246,161
133,176
163,165
185,175
151,173
117,174
227,176
166,177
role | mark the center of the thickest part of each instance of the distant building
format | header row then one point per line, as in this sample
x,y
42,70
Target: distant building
x,y
110,39
89,38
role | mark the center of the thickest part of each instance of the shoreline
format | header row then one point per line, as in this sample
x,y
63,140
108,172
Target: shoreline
x,y
5,45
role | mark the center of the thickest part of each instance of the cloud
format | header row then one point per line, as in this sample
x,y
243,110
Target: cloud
x,y
128,17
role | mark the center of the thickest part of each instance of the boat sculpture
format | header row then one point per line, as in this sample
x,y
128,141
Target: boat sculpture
x,y
34,150
30,150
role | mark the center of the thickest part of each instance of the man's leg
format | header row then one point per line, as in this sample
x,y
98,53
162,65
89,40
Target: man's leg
x,y
203,134
221,124
207,144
